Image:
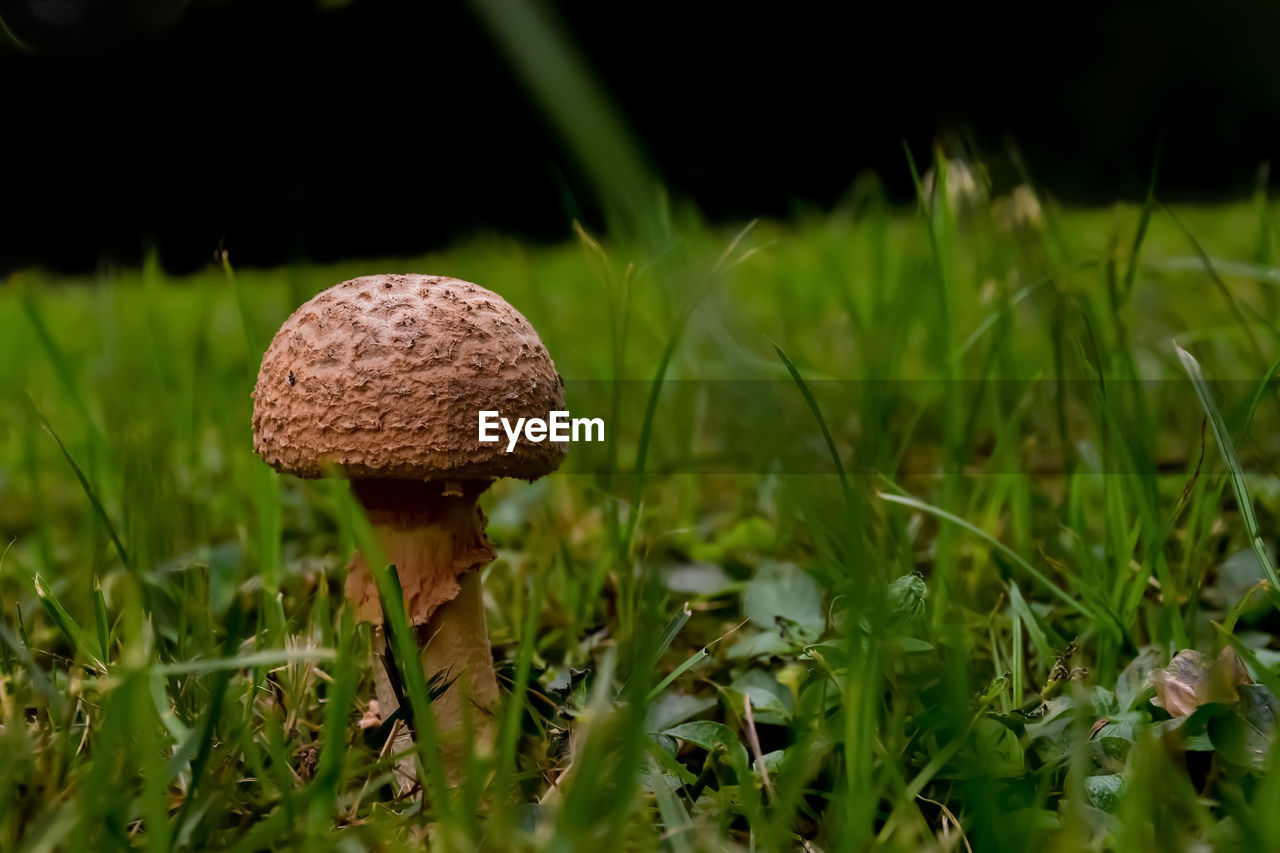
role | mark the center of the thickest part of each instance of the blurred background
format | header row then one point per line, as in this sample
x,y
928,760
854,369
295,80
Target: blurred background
x,y
302,130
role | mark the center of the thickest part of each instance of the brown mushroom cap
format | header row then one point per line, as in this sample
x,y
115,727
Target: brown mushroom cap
x,y
384,377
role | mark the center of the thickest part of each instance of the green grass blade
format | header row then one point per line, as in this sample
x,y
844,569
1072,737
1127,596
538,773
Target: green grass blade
x,y
1050,586
547,63
208,730
408,660
21,649
689,663
817,416
673,814
84,483
333,741
507,739
61,366
1039,637
1221,285
1144,221
664,642
1239,484
67,625
251,660
101,621
650,413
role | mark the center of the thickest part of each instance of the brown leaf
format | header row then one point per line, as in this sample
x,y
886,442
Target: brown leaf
x,y
1193,679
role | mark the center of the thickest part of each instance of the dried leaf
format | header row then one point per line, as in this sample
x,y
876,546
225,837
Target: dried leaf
x,y
1193,679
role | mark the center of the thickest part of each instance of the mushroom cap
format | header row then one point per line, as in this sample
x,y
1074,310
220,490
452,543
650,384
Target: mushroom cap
x,y
384,377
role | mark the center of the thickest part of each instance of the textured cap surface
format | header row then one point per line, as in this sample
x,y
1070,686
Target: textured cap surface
x,y
384,376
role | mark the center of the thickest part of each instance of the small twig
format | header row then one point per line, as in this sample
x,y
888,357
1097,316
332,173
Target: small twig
x,y
754,740
84,737
947,816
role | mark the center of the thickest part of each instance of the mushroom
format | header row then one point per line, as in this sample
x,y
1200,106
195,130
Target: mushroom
x,y
382,378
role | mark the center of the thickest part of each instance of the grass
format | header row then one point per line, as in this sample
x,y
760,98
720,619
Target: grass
x,y
898,513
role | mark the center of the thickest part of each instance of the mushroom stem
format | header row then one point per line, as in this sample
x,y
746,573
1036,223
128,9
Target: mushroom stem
x,y
435,538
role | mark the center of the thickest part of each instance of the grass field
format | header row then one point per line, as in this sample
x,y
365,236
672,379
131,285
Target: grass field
x,y
947,631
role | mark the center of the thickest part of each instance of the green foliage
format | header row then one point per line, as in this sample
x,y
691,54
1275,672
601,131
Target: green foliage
x,y
1026,511
781,597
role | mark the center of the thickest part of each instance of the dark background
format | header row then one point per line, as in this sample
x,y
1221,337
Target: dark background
x,y
295,130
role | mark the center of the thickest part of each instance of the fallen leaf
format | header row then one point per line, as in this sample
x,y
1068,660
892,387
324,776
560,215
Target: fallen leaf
x,y
1193,679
